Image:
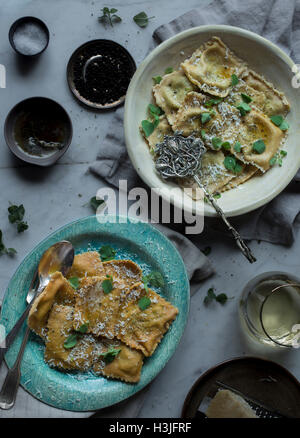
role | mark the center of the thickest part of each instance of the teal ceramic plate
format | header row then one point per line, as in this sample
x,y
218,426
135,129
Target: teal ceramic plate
x,y
134,240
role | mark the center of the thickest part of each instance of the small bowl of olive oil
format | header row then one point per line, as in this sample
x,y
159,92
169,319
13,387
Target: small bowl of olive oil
x,y
38,130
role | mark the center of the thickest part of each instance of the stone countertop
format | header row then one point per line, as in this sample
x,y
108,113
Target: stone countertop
x,y
55,196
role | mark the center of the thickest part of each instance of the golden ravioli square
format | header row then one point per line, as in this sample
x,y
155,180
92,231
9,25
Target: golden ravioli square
x,y
60,327
170,93
271,102
163,128
87,264
57,291
258,127
96,308
126,366
211,67
143,329
124,272
212,174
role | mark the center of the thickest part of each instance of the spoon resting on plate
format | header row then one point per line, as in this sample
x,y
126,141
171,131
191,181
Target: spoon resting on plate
x,y
181,157
59,257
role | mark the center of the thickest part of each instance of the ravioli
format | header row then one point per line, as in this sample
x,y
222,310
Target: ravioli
x,y
87,264
274,102
57,291
170,93
143,329
157,136
126,366
256,127
60,326
213,174
125,272
188,119
96,308
247,173
211,67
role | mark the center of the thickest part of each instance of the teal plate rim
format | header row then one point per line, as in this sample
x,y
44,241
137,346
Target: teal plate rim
x,y
84,392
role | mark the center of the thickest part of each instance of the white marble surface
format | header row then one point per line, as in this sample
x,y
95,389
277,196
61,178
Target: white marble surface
x,y
51,199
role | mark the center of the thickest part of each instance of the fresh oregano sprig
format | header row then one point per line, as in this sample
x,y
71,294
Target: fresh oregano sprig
x,y
109,16
15,216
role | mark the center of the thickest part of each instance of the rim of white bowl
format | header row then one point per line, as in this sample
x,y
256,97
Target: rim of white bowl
x,y
208,210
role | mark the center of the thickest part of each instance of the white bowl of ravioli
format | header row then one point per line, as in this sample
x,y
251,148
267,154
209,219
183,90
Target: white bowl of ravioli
x,y
233,89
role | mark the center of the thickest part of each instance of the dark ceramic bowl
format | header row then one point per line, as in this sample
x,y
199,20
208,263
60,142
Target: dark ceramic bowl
x,y
83,58
32,104
21,22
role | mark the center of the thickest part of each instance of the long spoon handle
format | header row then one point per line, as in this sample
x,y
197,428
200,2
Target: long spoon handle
x,y
239,241
11,383
10,337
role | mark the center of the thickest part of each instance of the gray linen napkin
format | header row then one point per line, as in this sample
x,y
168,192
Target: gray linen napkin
x,y
276,20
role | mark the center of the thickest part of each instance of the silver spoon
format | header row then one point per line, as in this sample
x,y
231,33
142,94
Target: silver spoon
x,y
180,157
59,257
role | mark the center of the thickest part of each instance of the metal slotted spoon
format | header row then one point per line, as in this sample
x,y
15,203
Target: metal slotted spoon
x,y
181,157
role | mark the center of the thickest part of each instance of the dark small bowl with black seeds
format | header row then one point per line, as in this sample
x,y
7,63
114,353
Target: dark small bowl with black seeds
x,y
99,73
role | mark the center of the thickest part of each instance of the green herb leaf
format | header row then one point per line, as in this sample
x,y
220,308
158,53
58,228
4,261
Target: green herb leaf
x,y
111,354
169,70
217,195
217,142
277,120
109,16
230,163
148,127
234,80
203,134
16,213
210,296
107,285
71,341
74,282
259,146
214,101
284,126
206,251
154,110
226,145
154,279
205,117
142,19
157,79
238,168
10,252
221,298
277,158
95,203
144,303
280,122
83,328
244,108
22,226
237,147
107,253
246,98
